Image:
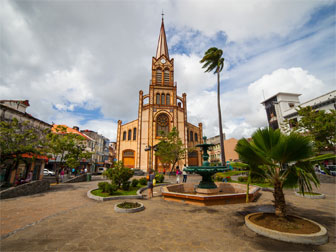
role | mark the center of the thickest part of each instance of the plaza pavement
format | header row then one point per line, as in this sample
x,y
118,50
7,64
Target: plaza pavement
x,y
64,219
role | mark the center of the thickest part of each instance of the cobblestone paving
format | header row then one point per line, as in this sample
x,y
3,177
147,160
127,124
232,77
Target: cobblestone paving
x,y
64,219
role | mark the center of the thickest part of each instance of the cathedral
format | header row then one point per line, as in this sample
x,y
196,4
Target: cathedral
x,y
159,110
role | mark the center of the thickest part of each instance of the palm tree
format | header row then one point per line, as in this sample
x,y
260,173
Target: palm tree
x,y
284,160
213,60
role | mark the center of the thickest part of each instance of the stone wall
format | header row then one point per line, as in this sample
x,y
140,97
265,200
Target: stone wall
x,y
80,178
25,189
326,178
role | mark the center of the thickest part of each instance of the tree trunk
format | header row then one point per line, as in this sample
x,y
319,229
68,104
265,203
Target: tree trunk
x,y
248,187
279,201
220,122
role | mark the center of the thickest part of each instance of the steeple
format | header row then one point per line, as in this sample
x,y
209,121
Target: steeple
x,y
162,48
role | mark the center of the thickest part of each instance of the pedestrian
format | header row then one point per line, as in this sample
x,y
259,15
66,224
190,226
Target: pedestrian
x,y
85,170
164,171
185,175
178,173
150,184
62,175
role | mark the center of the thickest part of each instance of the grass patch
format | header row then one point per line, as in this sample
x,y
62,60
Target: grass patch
x,y
119,192
230,173
128,205
309,193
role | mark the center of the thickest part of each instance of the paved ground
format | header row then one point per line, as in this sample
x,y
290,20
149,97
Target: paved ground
x,y
64,219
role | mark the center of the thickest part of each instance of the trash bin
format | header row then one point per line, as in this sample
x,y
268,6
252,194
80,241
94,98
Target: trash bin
x,y
88,176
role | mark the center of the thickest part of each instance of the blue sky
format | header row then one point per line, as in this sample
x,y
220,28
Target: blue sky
x,y
83,62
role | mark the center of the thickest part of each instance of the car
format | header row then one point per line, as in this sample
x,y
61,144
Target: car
x,y
138,172
47,172
101,170
331,169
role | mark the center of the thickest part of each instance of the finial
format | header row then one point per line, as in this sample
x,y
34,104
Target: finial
x,y
205,139
162,14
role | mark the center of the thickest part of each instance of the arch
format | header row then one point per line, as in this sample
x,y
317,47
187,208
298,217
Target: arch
x,y
128,158
145,100
168,99
158,76
162,124
163,99
193,158
166,77
158,98
181,101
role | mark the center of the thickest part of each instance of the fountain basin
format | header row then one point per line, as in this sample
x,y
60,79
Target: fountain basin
x,y
229,193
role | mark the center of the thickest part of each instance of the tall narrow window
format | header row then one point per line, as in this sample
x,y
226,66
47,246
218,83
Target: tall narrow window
x,y
191,136
162,124
129,135
188,135
158,77
162,99
158,98
124,136
196,137
134,134
166,77
168,99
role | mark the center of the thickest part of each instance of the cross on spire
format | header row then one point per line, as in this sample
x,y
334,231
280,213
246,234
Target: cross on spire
x,y
162,14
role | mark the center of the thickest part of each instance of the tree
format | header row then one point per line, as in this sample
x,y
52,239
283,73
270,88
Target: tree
x,y
320,125
170,149
213,60
69,147
119,175
284,160
19,138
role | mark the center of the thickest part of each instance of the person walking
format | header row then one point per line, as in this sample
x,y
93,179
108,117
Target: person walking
x,y
150,185
62,175
185,174
178,173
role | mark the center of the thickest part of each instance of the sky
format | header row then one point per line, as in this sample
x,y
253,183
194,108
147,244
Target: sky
x,y
83,62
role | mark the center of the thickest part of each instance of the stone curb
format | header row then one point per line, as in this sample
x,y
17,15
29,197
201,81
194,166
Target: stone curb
x,y
321,196
98,198
140,191
318,238
129,210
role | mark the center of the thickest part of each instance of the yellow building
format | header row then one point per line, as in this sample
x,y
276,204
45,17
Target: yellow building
x,y
159,110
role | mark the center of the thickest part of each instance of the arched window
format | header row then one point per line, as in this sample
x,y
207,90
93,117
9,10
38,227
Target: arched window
x,y
196,137
158,76
191,136
168,99
134,134
157,98
166,77
188,135
162,124
129,135
162,99
124,136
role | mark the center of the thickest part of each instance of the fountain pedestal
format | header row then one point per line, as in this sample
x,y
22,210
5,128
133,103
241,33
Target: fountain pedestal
x,y
207,190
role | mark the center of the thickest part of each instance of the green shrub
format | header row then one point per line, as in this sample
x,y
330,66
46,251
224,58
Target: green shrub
x,y
159,178
111,188
134,182
101,186
119,174
143,181
242,179
126,185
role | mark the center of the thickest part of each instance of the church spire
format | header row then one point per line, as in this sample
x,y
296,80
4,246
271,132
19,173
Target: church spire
x,y
162,48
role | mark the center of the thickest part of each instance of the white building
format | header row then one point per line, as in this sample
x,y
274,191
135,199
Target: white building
x,y
283,106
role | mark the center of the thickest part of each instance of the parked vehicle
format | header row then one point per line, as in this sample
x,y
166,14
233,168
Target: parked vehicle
x,y
138,172
101,170
47,172
331,169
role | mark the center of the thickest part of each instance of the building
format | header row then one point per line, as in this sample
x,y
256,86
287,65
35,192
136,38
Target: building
x,y
10,109
229,149
112,152
100,149
159,110
282,107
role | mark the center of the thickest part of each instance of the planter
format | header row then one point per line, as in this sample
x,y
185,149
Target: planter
x,y
309,196
318,238
129,210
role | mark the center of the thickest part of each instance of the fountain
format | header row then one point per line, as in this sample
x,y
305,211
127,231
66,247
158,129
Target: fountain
x,y
208,192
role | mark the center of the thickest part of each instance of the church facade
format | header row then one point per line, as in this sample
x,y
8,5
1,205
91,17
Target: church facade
x,y
159,110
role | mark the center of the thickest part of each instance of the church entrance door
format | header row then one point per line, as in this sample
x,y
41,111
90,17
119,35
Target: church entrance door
x,y
193,158
128,158
159,166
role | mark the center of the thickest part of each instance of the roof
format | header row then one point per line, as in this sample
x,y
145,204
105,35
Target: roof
x,y
280,93
70,130
162,48
24,102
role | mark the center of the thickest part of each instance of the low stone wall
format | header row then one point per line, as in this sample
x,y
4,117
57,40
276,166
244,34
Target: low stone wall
x,y
80,178
25,189
323,178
